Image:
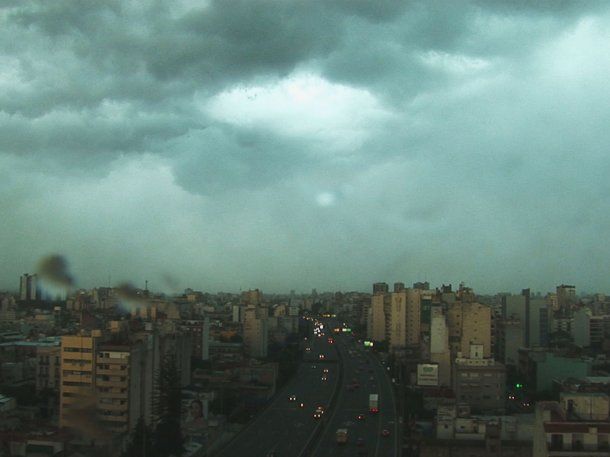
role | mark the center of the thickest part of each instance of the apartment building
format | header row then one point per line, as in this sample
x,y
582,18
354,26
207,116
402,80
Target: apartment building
x,y
256,333
118,385
48,367
77,391
469,323
480,381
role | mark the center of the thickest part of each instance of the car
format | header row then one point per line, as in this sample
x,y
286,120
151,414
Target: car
x,y
385,432
325,370
307,349
321,356
320,408
317,415
360,417
324,379
360,442
313,366
292,398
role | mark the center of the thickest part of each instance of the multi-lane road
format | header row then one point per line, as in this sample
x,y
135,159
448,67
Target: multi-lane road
x,y
365,436
286,429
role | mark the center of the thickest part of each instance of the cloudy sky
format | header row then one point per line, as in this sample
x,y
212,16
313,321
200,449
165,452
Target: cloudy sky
x,y
296,144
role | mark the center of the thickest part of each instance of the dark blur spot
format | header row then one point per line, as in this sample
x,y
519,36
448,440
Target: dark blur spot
x,y
171,282
54,269
127,291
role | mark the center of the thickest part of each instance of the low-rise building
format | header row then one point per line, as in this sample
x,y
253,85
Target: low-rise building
x,y
540,367
481,383
576,426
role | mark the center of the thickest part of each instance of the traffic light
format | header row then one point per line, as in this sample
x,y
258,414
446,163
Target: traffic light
x,y
518,385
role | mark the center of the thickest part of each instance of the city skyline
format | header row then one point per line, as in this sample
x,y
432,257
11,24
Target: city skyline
x,y
52,283
289,146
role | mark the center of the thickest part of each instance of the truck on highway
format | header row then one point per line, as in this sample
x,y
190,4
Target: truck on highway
x,y
373,403
341,435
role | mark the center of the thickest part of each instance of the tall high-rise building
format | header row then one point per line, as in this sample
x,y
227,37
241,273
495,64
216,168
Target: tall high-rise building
x,y
538,322
205,339
378,316
566,298
252,297
395,317
439,345
237,313
255,333
469,323
29,289
532,314
77,392
118,379
48,367
380,287
413,316
398,319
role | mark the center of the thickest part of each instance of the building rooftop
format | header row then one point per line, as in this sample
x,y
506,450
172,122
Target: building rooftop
x,y
47,342
577,427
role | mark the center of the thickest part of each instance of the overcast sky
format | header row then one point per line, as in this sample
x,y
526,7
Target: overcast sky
x,y
299,144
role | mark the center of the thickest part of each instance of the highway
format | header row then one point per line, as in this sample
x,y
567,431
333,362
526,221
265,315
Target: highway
x,y
364,368
283,428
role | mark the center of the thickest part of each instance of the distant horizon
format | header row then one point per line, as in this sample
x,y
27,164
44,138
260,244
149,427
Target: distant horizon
x,y
455,287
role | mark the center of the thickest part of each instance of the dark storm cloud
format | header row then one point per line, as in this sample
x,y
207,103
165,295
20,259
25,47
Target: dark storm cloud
x,y
282,144
222,158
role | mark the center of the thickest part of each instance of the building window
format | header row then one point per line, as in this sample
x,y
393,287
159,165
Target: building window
x,y
556,442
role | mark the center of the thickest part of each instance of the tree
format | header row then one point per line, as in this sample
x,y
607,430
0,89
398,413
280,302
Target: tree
x,y
140,442
168,439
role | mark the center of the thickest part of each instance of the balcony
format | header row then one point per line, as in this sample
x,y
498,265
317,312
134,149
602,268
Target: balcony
x,y
575,449
78,355
77,378
115,427
119,384
111,371
576,453
82,365
114,419
113,395
112,407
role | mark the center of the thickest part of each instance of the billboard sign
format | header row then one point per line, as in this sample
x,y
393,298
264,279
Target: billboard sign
x,y
427,374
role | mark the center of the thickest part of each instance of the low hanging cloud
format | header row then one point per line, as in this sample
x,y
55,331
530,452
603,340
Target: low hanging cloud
x,y
290,145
